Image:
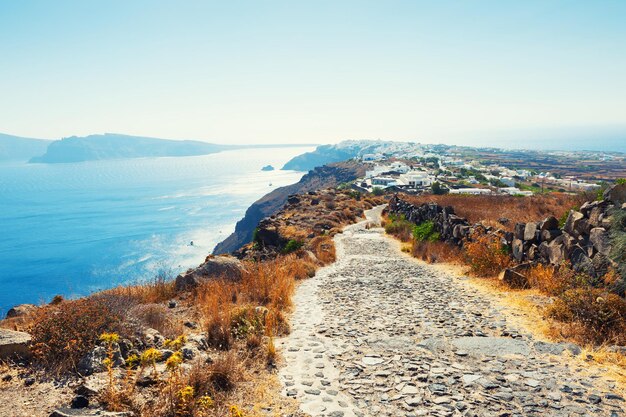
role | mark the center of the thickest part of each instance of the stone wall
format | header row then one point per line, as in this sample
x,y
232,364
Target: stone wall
x,y
583,241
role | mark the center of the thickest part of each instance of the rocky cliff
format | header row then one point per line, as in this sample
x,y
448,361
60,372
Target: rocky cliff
x,y
321,177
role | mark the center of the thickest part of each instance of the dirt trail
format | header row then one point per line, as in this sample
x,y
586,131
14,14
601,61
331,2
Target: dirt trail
x,y
379,334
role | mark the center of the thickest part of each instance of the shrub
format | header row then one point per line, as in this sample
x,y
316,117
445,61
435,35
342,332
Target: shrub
x,y
377,191
292,246
425,231
435,251
399,227
486,255
324,249
597,315
245,321
62,334
156,316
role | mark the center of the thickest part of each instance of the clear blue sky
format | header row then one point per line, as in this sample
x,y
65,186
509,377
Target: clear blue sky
x,y
315,71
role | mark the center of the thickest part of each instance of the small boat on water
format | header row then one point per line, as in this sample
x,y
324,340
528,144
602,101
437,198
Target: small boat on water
x,y
270,184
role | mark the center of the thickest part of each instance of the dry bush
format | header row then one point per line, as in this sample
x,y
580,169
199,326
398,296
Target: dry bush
x,y
245,321
214,300
553,280
158,290
156,317
435,251
64,333
272,282
399,227
592,315
491,208
225,372
486,255
324,249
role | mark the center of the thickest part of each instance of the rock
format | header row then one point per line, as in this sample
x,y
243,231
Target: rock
x,y
21,310
519,231
530,231
517,248
93,361
549,223
493,346
616,194
293,199
90,388
86,412
171,304
80,401
533,252
556,251
14,344
599,238
153,337
218,267
557,348
581,262
513,279
550,234
267,168
146,381
572,222
188,353
165,354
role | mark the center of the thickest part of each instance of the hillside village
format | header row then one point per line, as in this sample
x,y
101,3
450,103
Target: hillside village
x,y
445,174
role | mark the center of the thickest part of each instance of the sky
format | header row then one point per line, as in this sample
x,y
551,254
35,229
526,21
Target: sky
x,y
311,71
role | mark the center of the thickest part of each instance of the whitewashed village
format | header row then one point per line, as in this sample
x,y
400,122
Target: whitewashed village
x,y
416,169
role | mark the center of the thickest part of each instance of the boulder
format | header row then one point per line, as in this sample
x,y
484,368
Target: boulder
x,y
616,193
14,344
93,361
572,222
550,234
599,238
549,223
529,231
513,278
219,267
581,262
21,310
556,251
518,231
518,249
533,252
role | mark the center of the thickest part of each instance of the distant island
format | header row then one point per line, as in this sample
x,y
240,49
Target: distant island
x,y
115,146
16,148
267,168
109,146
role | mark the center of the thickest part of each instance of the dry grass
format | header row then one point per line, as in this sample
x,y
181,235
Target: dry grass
x,y
486,255
490,209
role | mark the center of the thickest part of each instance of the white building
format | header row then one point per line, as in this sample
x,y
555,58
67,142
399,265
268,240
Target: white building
x,y
384,181
472,191
514,191
415,179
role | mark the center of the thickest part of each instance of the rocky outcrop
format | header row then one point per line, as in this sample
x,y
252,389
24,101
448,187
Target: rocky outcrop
x,y
215,267
583,241
14,344
21,310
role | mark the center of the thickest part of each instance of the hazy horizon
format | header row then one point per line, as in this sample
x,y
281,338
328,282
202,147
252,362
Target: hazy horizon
x,y
295,72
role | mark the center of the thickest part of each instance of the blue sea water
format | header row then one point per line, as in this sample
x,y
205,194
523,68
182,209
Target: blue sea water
x,y
75,228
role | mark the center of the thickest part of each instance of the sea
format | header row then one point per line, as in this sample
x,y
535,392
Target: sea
x,y
75,228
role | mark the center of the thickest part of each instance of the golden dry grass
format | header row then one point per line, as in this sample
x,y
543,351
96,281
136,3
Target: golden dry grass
x,y
490,209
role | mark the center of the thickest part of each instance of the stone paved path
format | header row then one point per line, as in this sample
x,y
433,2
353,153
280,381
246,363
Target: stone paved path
x,y
378,334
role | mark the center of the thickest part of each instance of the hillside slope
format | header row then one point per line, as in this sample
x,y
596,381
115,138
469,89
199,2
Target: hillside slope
x,y
16,148
321,177
116,146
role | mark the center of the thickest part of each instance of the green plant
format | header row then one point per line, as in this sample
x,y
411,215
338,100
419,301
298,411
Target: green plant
x,y
425,232
292,246
377,191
